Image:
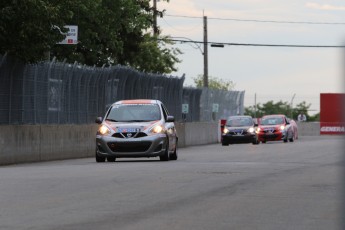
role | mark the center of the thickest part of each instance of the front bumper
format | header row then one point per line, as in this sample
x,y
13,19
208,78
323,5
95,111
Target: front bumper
x,y
232,139
276,136
148,146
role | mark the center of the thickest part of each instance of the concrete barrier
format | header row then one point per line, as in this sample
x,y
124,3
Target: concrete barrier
x,y
19,144
67,141
197,133
33,143
308,128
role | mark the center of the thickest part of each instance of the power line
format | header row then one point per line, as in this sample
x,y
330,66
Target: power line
x,y
188,29
261,21
249,44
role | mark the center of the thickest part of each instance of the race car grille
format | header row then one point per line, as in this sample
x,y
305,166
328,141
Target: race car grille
x,y
141,134
238,132
270,131
129,135
142,146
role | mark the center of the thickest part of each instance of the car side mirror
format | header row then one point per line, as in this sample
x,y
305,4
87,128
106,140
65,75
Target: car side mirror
x,y
99,120
170,119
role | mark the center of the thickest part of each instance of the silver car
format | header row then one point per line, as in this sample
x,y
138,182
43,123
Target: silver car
x,y
136,128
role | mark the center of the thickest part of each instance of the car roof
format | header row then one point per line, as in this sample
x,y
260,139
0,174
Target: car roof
x,y
274,115
137,101
240,116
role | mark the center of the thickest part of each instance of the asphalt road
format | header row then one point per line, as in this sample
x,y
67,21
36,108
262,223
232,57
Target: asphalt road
x,y
270,186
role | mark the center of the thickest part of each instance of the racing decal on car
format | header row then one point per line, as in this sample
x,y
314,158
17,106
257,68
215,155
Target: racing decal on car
x,y
269,130
137,102
127,130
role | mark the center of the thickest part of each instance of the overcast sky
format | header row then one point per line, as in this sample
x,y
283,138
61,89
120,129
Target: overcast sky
x,y
272,73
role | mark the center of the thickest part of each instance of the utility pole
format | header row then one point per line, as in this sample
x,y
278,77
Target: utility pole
x,y
291,106
155,28
255,106
205,54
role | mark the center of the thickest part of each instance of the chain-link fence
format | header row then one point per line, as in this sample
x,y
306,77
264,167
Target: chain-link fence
x,y
220,104
63,93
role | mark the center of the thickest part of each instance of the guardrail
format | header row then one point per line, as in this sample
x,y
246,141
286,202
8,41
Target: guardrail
x,y
34,143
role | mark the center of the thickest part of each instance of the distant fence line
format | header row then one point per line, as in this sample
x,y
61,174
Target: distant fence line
x,y
62,93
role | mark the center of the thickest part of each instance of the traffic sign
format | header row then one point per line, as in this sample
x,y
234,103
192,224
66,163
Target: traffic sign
x,y
71,36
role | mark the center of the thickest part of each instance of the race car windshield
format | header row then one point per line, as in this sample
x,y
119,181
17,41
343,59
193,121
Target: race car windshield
x,y
134,113
272,121
239,122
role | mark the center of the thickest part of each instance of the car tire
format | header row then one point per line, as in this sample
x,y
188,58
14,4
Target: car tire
x,y
225,144
256,142
263,142
174,155
166,156
111,159
100,158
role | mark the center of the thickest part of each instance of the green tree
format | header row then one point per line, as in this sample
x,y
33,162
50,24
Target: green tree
x,y
269,108
109,32
315,117
214,83
155,56
280,108
26,27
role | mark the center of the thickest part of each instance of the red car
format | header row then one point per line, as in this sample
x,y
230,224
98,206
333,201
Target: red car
x,y
276,128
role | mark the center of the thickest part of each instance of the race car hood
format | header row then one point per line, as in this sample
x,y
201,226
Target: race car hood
x,y
131,126
232,128
269,127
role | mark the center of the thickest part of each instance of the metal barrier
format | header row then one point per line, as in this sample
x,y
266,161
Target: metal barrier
x,y
62,93
220,104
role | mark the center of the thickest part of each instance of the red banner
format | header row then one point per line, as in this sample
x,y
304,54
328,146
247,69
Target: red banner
x,y
332,113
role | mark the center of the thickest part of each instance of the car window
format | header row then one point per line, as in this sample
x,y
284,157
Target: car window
x,y
134,112
239,121
165,112
272,121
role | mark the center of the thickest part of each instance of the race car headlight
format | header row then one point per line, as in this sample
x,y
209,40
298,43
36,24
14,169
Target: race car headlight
x,y
282,127
104,130
251,130
258,130
226,130
157,129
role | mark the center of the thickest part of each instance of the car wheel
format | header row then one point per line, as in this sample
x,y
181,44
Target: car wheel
x,y
256,142
263,142
225,144
166,156
100,158
111,159
174,155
